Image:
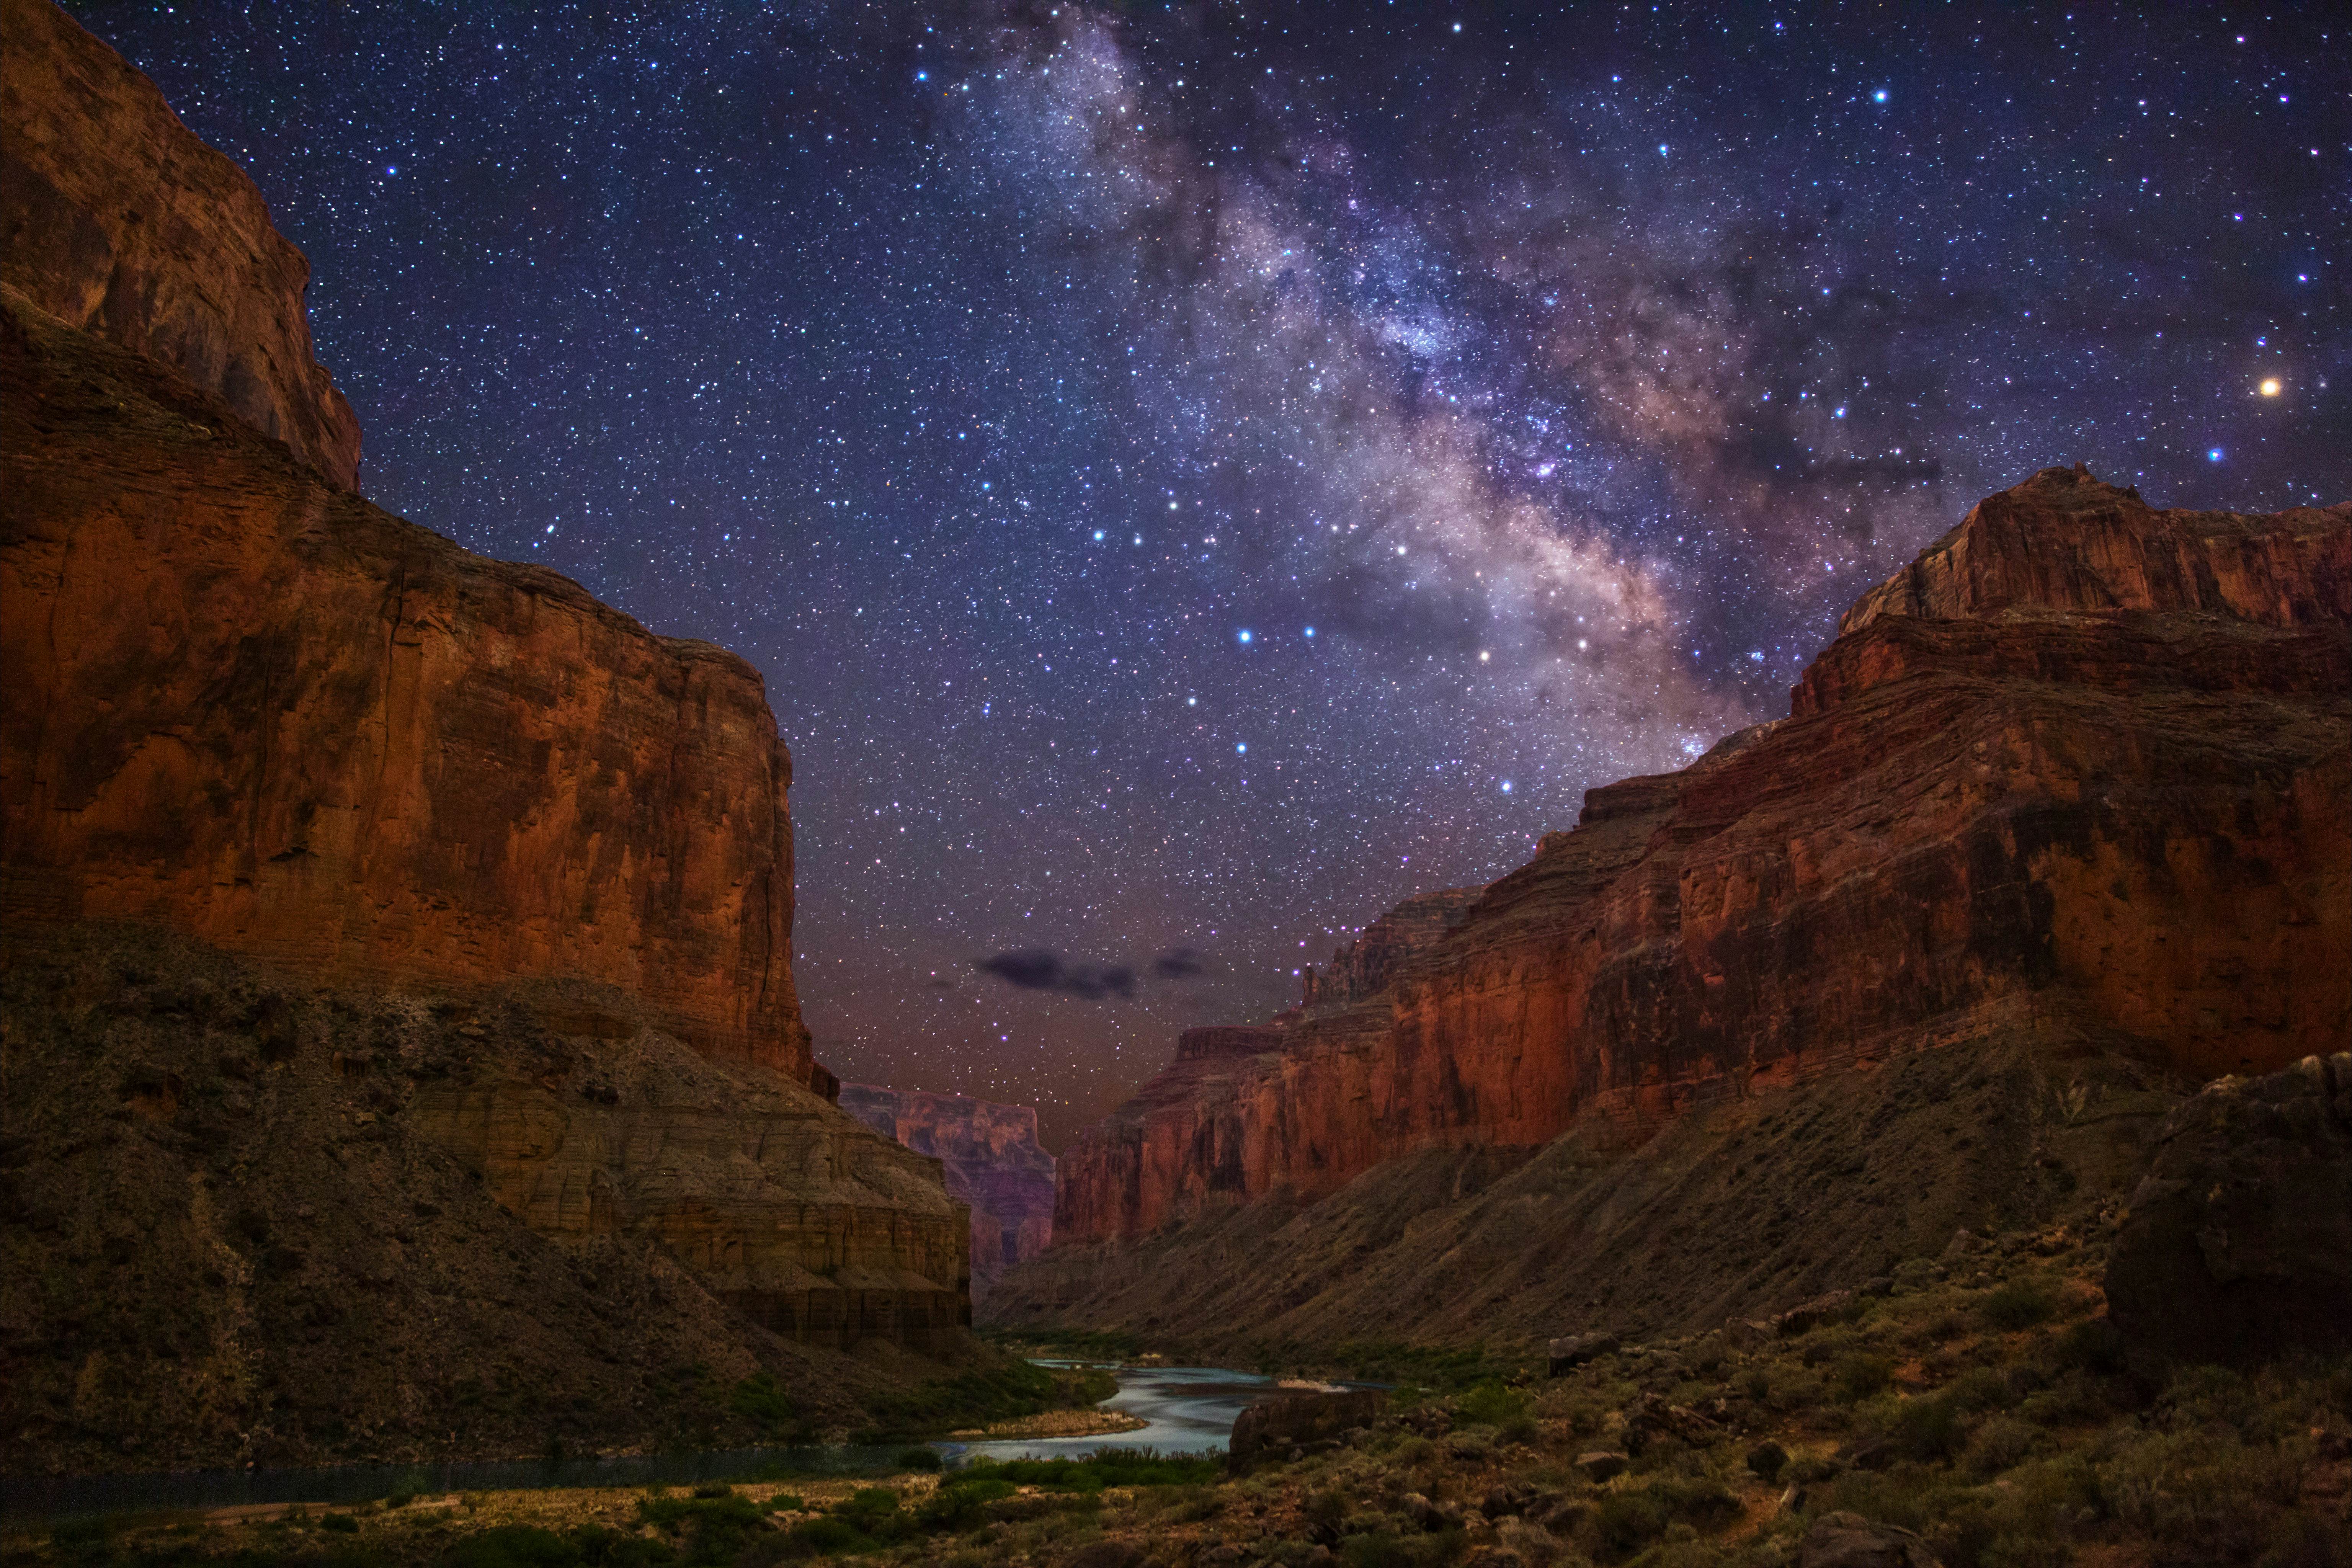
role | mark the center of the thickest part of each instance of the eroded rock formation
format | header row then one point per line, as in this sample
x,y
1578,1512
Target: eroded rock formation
x,y
115,219
2086,759
991,1159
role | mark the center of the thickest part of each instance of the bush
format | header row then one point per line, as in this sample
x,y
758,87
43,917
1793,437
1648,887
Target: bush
x,y
1998,1445
1928,1428
2020,1304
1860,1377
1627,1521
342,1524
918,1459
959,1504
759,1401
514,1546
1380,1549
1492,1404
1108,1467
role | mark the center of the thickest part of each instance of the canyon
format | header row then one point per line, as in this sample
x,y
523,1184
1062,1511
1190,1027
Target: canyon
x,y
991,1159
358,887
2063,813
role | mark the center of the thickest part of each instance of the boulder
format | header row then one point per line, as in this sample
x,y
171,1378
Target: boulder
x,y
1601,1465
1299,1423
1567,1353
2238,1243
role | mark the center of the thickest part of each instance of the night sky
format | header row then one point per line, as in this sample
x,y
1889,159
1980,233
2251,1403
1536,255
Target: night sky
x,y
1195,476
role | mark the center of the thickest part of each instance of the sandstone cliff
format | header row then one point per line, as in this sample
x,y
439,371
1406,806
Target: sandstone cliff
x,y
991,1159
252,707
2086,765
116,220
342,870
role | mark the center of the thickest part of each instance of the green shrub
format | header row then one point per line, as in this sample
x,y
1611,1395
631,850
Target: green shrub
x,y
1380,1549
514,1546
2093,1346
918,1459
959,1504
1860,1377
1998,1445
759,1401
1928,1428
1980,1388
2020,1304
1108,1467
1491,1404
342,1524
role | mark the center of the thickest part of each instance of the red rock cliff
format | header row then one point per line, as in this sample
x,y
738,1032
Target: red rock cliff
x,y
2084,758
115,219
247,705
991,1159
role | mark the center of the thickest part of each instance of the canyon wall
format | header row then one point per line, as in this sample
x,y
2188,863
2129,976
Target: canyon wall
x,y
117,220
991,1159
475,880
2085,758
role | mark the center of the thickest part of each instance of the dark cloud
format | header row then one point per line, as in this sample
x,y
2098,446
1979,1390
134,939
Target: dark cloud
x,y
1181,964
1039,969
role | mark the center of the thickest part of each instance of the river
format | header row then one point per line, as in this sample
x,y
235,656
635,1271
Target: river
x,y
1187,1410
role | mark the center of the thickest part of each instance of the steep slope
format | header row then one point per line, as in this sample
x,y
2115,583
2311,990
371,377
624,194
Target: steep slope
x,y
245,1219
117,220
2080,775
991,1159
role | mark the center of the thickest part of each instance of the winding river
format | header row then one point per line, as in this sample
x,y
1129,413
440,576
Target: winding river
x,y
1186,1410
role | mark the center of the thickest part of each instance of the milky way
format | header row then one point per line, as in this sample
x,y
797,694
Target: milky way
x,y
1192,478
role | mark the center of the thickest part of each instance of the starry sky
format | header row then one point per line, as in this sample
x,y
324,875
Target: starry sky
x,y
1193,476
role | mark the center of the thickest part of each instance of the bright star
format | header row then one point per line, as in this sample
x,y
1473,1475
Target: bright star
x,y
1310,631
1878,97
2271,387
1246,636
2213,454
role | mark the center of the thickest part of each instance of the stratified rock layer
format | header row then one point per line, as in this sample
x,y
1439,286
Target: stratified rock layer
x,y
2083,754
2238,1246
251,707
117,220
246,1219
991,1159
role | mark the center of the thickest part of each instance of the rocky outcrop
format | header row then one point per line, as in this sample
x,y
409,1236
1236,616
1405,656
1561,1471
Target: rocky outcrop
x,y
249,706
2238,1244
2086,761
115,219
991,1159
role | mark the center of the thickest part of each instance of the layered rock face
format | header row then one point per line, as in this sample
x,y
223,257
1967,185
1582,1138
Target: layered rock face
x,y
115,219
991,1159
249,706
2086,759
246,1219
